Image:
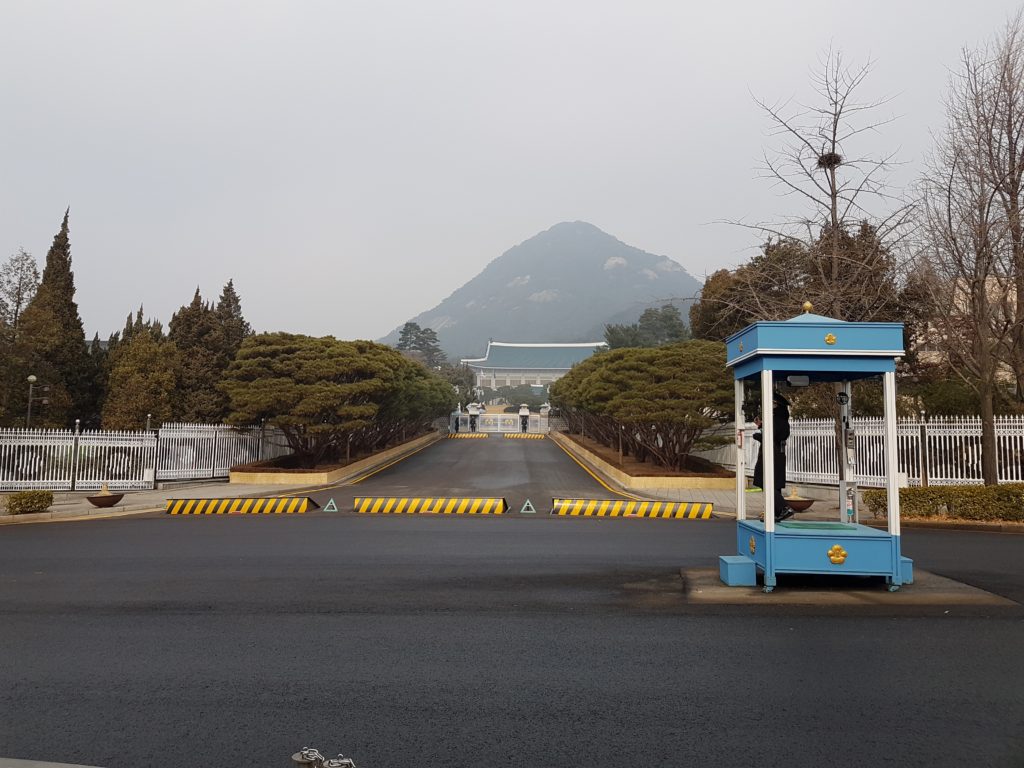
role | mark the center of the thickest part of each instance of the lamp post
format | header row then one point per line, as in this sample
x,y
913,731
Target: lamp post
x,y
44,388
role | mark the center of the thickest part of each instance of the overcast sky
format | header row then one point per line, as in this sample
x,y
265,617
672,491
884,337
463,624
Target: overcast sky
x,y
349,164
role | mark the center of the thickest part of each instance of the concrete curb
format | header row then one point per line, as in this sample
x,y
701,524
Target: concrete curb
x,y
939,525
68,516
10,762
570,447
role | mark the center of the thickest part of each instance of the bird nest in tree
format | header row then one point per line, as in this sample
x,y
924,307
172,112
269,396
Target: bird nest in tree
x,y
830,160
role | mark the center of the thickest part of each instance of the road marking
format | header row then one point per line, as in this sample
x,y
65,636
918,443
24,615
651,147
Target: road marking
x,y
602,483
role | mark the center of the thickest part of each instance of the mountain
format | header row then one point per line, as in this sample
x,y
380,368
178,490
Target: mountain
x,y
561,285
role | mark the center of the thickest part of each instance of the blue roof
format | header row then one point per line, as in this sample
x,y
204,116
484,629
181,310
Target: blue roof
x,y
533,357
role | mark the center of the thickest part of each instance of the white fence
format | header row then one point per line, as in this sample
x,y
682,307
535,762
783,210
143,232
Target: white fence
x,y
63,460
939,451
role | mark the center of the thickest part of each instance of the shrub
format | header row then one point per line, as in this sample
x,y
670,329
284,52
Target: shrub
x,y
26,502
965,502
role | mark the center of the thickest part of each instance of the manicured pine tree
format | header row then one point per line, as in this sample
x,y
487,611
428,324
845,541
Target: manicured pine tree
x,y
52,339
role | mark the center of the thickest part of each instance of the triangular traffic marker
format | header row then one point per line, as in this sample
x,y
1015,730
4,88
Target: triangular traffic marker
x,y
527,509
331,506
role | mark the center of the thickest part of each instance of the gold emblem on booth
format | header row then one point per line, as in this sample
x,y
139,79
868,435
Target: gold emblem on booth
x,y
741,346
753,545
830,338
837,555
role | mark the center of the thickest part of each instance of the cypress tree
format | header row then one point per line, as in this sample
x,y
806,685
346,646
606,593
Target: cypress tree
x,y
234,327
198,333
143,378
52,339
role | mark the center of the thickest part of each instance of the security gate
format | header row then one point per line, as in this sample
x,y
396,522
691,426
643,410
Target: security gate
x,y
502,422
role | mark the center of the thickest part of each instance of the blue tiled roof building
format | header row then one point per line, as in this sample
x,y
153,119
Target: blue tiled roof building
x,y
512,365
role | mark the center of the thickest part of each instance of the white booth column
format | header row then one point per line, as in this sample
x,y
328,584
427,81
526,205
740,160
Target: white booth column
x,y
767,441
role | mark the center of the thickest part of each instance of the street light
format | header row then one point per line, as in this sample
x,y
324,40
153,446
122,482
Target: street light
x,y
44,388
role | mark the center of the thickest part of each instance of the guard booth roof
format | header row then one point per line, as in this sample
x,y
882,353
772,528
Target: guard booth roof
x,y
821,348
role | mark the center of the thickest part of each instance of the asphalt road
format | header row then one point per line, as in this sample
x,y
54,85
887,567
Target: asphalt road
x,y
444,641
518,470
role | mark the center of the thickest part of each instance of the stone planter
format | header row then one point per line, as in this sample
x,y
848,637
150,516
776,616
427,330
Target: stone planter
x,y
799,505
105,500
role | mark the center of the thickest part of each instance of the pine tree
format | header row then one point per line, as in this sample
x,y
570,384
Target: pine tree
x,y
408,336
424,341
430,346
52,339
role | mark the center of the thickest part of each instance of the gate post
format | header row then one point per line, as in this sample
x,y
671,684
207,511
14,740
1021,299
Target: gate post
x,y
74,456
923,451
213,454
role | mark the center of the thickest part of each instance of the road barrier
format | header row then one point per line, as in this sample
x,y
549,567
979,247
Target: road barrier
x,y
524,436
275,505
387,505
621,508
464,435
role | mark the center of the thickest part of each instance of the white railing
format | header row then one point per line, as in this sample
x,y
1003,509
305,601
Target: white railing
x,y
123,460
63,460
939,451
36,459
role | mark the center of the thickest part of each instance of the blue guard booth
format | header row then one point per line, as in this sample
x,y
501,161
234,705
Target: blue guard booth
x,y
805,349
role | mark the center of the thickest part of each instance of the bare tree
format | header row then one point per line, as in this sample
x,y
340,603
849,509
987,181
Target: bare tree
x,y
19,279
970,226
847,229
1001,122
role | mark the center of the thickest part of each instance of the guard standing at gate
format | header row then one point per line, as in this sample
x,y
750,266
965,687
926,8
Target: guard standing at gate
x,y
474,412
524,417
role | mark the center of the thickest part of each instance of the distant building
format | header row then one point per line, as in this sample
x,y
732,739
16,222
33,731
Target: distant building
x,y
513,365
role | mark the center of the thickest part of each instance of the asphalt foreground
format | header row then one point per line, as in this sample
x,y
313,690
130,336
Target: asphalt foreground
x,y
521,640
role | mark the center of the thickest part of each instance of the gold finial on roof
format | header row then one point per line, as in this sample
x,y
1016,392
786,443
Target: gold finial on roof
x,y
808,306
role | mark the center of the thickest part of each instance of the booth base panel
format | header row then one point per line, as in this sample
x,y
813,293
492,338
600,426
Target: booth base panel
x,y
815,547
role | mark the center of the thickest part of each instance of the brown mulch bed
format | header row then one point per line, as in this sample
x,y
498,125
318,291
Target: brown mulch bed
x,y
697,467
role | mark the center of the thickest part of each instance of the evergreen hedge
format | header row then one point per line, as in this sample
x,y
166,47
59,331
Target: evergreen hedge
x,y
27,502
964,502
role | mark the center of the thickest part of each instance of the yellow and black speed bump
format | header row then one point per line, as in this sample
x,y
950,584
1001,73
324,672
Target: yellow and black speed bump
x,y
525,435
463,435
388,505
620,508
275,505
